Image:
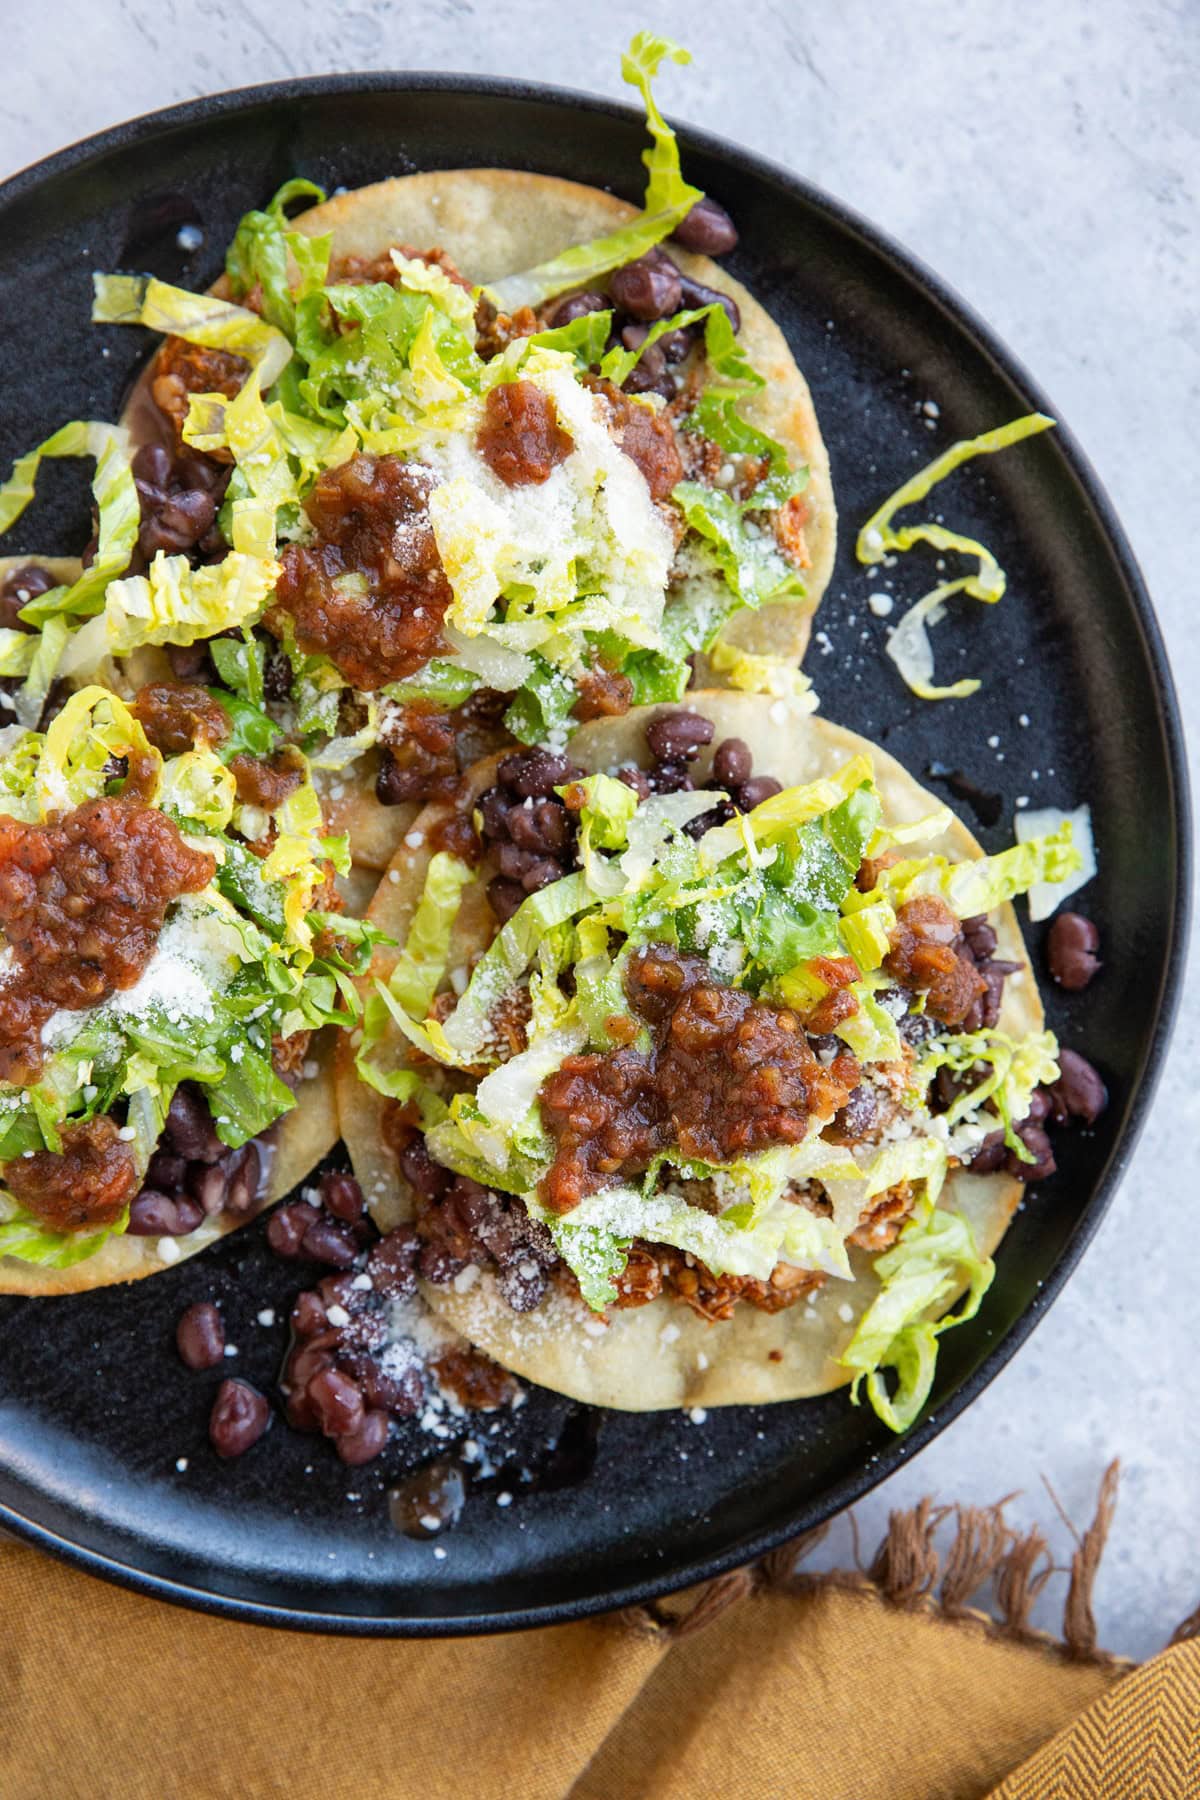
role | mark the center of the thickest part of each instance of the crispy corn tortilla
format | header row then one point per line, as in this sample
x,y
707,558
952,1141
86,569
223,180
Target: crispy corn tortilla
x,y
634,1362
302,1137
493,222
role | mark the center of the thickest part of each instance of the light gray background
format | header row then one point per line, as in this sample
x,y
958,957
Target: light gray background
x,y
1044,160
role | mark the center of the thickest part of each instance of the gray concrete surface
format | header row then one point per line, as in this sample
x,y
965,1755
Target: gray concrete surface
x,y
1044,160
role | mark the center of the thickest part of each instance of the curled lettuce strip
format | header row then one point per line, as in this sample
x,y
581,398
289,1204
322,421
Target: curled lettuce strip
x,y
198,318
116,502
668,198
908,644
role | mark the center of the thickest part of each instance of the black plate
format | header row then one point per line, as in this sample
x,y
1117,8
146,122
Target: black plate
x,y
94,1406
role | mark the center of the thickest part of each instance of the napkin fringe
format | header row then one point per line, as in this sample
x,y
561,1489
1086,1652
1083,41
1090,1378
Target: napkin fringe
x,y
910,1572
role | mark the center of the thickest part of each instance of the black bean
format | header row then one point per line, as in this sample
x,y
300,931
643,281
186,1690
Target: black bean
x,y
860,1114
418,1168
326,1242
1079,1092
649,375
402,1394
277,676
522,1283
676,344
752,793
1040,1148
239,1417
986,1009
707,229
981,939
650,288
188,661
678,736
991,1156
576,305
917,1029
339,1290
696,294
494,809
160,1215
394,785
732,763
638,780
542,826
540,873
1041,1105
342,1196
308,1360
288,1226
505,897
200,1336
207,1183
534,774
1071,946
512,861
166,1172
245,1174
392,1263
364,1444
337,1402
716,815
202,472
152,465
671,778
438,1264
189,1128
308,1314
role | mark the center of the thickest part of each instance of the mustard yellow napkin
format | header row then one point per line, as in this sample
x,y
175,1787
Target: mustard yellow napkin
x,y
877,1685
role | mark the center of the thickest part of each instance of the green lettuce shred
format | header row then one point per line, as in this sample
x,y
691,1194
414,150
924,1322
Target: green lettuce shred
x,y
668,197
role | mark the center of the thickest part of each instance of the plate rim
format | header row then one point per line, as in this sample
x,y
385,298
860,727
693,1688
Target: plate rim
x,y
228,102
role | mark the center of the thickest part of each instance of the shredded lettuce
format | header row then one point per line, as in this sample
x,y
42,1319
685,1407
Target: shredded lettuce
x,y
931,1259
422,964
908,645
980,885
776,675
258,255
198,318
117,508
172,604
668,198
27,1238
749,558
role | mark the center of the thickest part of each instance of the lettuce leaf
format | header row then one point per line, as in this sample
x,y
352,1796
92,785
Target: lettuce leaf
x,y
930,1260
668,198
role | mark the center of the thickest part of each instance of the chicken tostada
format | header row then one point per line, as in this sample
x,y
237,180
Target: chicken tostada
x,y
737,1105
